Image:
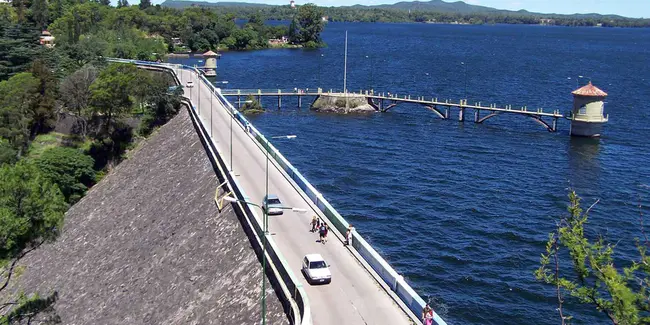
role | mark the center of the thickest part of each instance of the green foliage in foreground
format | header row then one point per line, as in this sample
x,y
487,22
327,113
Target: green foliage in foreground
x,y
621,294
31,213
68,168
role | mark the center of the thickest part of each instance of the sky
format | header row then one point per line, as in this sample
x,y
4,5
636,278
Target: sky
x,y
627,8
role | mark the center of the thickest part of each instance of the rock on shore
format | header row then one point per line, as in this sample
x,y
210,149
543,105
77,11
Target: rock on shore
x,y
340,104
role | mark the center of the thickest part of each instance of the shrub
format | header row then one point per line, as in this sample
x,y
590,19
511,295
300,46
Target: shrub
x,y
68,168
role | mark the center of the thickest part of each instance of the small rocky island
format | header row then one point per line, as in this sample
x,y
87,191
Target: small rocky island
x,y
343,104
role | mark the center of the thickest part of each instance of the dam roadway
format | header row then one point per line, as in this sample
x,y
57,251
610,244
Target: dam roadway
x,y
353,296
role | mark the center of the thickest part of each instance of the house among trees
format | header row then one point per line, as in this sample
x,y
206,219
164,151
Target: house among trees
x,y
46,39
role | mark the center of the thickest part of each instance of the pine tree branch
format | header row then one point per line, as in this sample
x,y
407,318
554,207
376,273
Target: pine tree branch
x,y
557,275
13,264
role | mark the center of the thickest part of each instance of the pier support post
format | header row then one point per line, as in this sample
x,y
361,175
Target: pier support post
x,y
477,115
447,112
299,101
238,101
461,114
555,124
279,101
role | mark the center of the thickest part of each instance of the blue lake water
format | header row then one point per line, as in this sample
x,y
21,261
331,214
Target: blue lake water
x,y
463,210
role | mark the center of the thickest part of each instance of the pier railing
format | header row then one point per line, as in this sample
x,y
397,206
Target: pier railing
x,y
384,101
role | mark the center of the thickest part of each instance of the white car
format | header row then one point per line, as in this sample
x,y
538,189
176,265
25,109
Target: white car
x,y
190,84
315,269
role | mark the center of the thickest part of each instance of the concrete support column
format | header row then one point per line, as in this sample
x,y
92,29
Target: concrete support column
x,y
461,114
555,124
477,115
279,101
447,112
238,101
299,101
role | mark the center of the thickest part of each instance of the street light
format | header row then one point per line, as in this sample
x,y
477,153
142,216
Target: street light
x,y
266,232
580,77
320,63
465,72
232,117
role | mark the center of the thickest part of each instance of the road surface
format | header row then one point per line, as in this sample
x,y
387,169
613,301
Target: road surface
x,y
353,296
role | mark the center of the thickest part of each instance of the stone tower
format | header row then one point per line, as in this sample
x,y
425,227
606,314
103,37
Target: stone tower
x,y
587,116
210,68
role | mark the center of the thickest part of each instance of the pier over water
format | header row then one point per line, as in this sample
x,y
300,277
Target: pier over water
x,y
385,101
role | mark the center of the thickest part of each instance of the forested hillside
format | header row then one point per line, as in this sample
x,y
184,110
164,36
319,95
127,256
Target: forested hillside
x,y
435,11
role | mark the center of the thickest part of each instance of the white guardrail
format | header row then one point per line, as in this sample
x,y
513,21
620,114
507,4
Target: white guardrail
x,y
392,279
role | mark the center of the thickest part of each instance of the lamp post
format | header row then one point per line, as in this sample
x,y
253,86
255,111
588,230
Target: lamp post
x,y
465,73
232,117
266,232
580,77
320,63
266,151
370,72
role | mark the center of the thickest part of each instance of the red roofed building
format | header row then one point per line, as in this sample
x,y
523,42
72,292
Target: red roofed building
x,y
587,116
210,68
589,91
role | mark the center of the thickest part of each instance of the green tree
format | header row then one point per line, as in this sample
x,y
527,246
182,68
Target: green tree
x,y
40,13
161,103
31,213
620,294
8,154
17,96
42,113
18,47
144,4
111,92
76,94
307,25
68,168
252,106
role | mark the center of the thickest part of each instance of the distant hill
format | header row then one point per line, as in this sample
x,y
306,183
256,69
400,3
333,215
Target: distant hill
x,y
179,4
458,7
435,5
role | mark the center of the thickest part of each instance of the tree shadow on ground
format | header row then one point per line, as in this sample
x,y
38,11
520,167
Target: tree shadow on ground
x,y
32,310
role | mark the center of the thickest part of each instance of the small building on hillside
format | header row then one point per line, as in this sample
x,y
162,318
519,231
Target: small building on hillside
x,y
46,39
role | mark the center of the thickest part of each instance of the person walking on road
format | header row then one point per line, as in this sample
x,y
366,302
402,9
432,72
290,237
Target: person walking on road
x,y
348,235
322,231
314,223
427,315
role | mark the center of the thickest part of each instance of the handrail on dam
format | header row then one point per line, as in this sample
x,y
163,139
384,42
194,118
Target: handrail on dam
x,y
394,283
298,308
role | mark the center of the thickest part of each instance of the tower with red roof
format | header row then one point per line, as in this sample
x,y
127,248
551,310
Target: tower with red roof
x,y
587,116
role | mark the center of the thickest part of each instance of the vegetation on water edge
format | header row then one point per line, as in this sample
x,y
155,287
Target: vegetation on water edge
x,y
252,106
